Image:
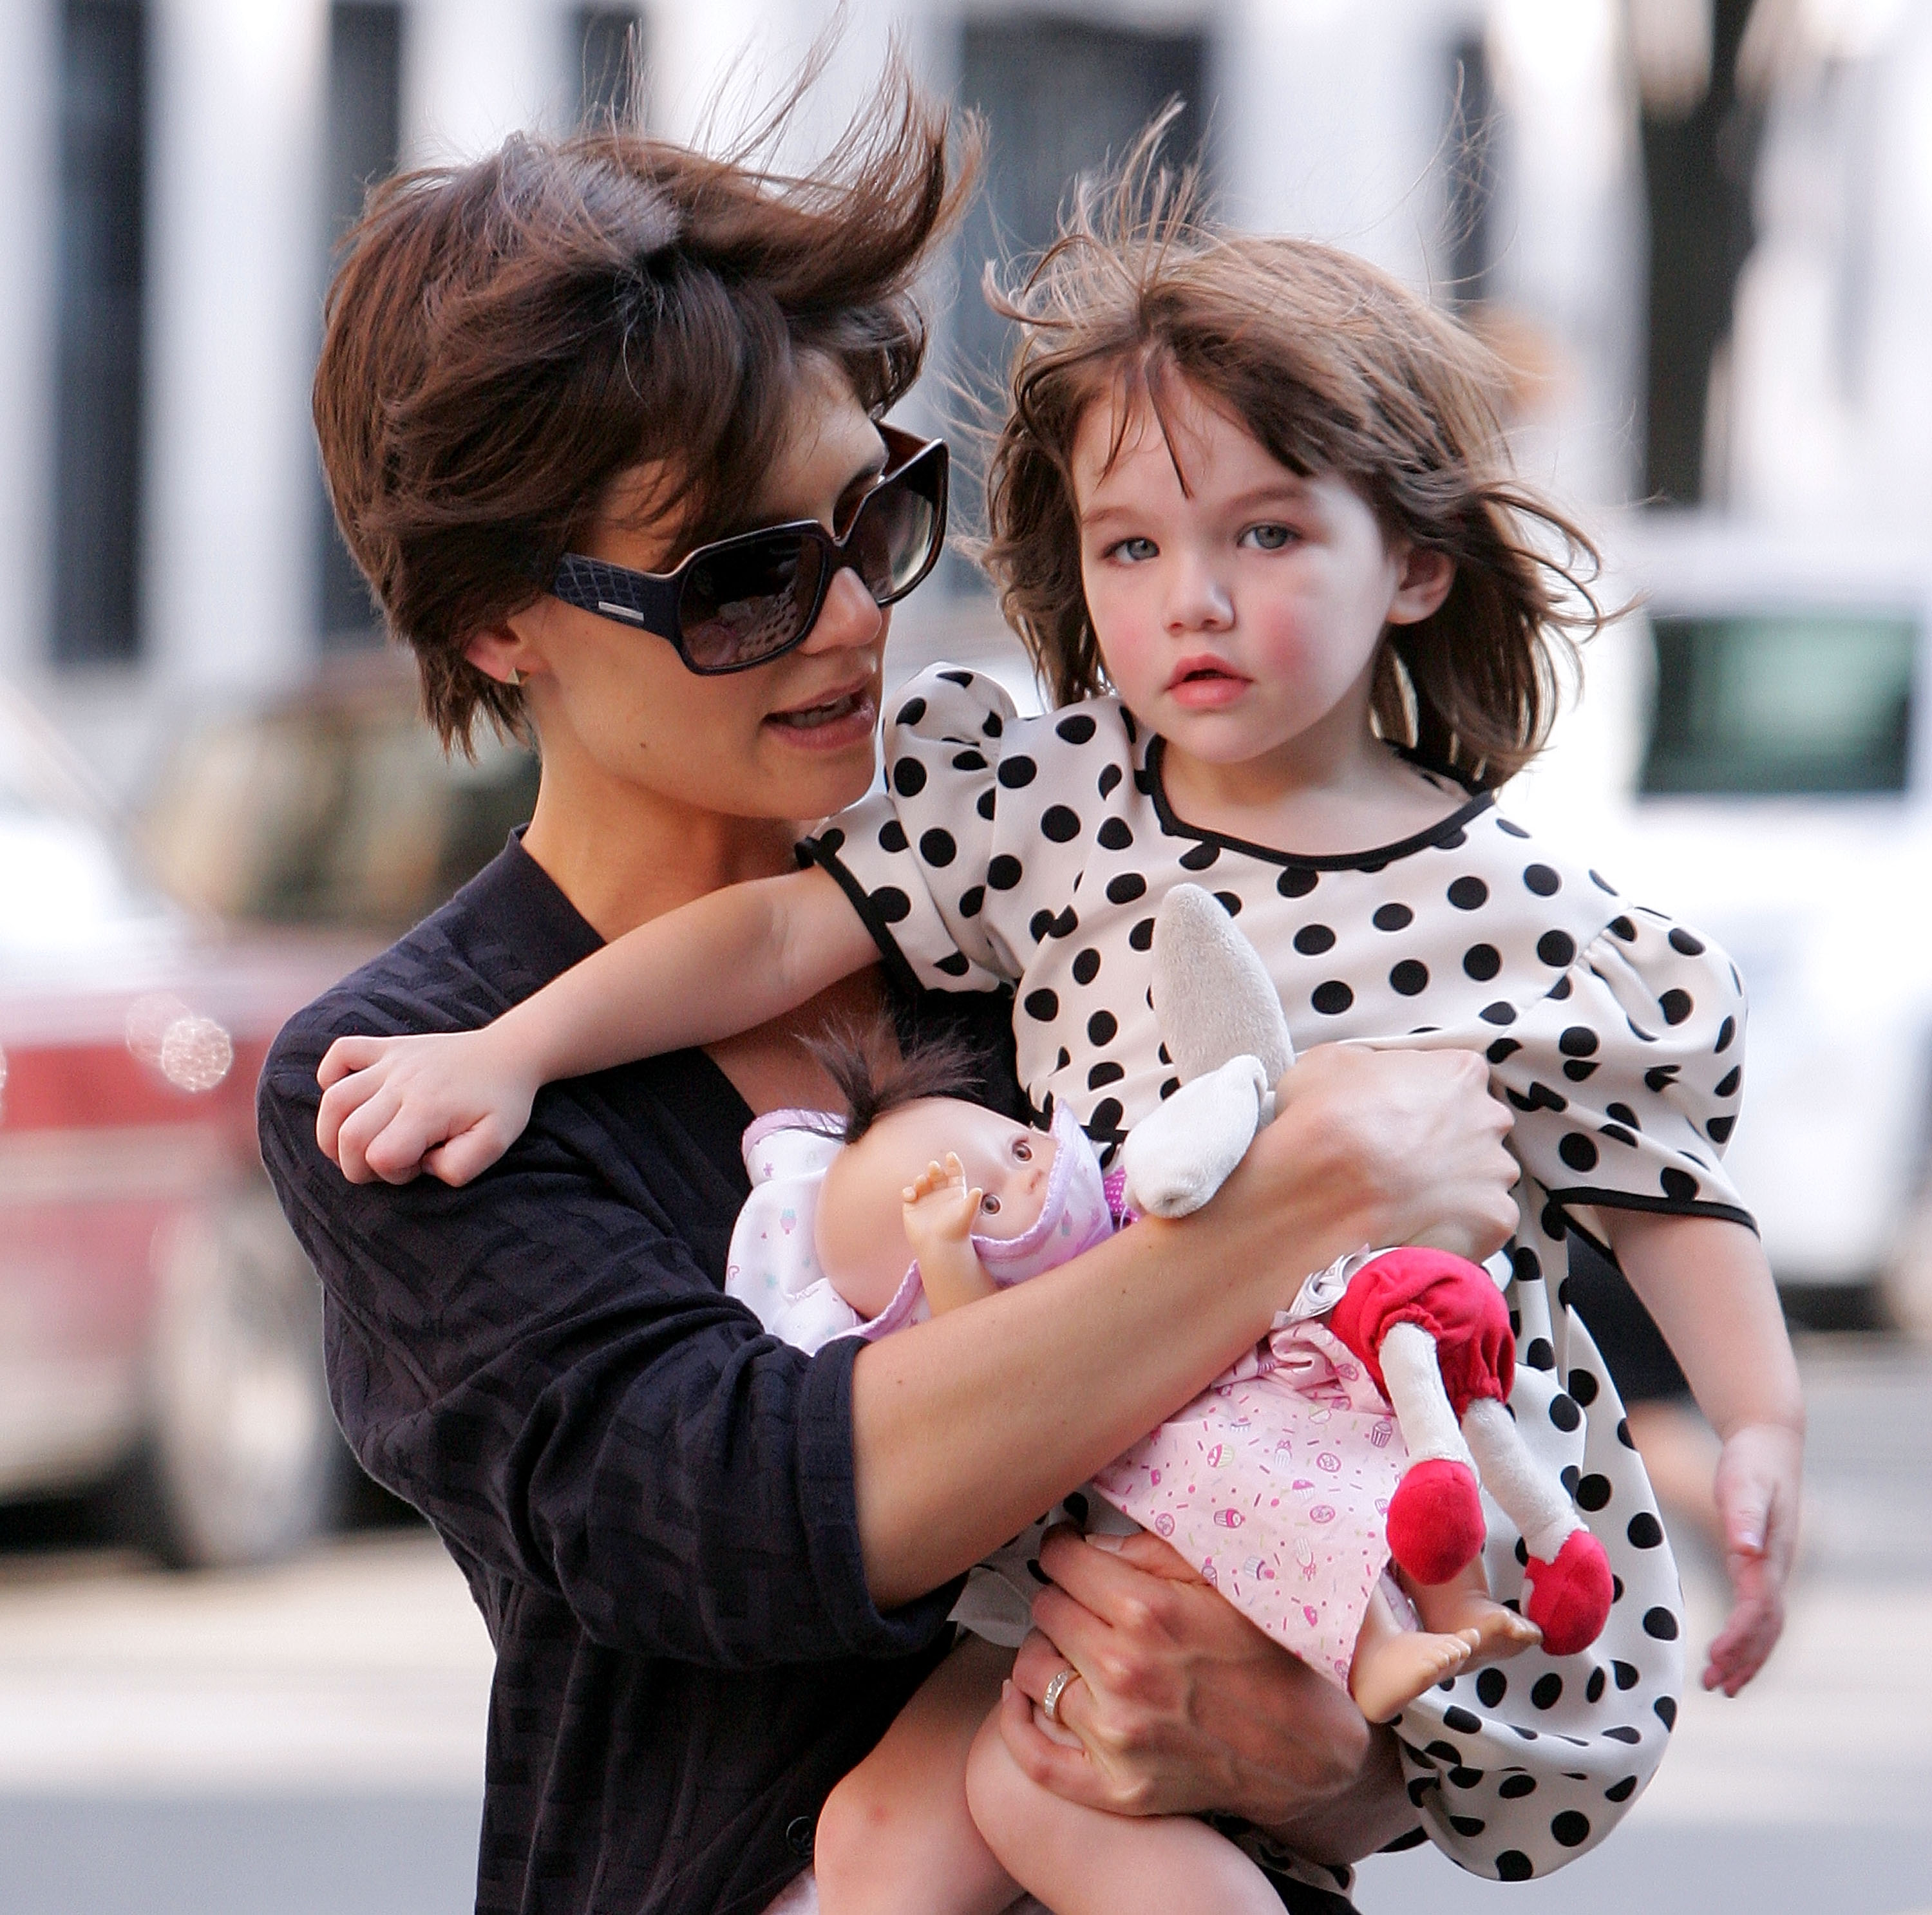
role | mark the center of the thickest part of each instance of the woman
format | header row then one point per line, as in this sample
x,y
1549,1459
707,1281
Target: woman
x,y
714,1568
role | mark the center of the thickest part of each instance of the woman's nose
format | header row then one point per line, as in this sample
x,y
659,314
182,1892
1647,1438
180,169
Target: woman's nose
x,y
849,616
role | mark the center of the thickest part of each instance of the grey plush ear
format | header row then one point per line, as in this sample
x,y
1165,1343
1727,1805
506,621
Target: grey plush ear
x,y
1212,997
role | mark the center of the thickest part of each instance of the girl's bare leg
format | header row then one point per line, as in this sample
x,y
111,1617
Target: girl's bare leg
x,y
1393,1665
896,1833
1081,1861
1463,1606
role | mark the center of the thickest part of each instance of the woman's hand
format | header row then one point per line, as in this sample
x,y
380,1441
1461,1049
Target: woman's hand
x,y
450,1103
1410,1140
1183,1705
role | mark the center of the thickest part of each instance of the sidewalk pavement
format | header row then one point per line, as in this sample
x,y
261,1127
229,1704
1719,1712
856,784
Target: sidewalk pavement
x,y
309,1739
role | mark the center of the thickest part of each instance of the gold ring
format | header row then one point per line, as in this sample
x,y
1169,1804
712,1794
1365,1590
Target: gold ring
x,y
1049,1704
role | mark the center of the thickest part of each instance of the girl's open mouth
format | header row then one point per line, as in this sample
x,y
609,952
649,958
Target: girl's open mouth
x,y
1204,684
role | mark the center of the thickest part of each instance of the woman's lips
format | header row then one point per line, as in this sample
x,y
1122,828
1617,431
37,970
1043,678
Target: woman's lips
x,y
830,724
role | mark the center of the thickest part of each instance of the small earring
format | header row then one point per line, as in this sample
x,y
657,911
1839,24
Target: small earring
x,y
515,680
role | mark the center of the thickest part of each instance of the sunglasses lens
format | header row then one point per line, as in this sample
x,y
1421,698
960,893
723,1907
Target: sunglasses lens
x,y
894,535
745,604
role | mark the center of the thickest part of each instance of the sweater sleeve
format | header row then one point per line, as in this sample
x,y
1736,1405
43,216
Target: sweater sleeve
x,y
541,1365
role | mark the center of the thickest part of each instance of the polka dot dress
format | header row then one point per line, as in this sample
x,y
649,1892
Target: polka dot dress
x,y
1033,852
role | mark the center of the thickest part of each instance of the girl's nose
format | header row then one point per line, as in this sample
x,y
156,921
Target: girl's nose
x,y
849,616
1198,599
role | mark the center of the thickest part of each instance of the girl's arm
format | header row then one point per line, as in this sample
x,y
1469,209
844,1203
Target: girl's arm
x,y
452,1103
1707,1284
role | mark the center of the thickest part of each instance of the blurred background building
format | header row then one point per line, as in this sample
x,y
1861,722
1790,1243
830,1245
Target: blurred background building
x,y
1700,230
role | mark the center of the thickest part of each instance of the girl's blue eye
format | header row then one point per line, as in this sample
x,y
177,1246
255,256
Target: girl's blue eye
x,y
1136,549
1267,539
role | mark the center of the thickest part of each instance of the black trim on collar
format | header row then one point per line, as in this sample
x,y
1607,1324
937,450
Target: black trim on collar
x,y
1174,825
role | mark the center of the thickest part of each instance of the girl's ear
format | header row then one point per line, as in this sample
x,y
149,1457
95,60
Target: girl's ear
x,y
1425,581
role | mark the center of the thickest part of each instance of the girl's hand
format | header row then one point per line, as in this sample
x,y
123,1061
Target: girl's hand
x,y
1757,1488
450,1103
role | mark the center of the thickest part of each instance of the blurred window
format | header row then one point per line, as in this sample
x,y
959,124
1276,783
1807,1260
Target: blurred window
x,y
98,401
68,895
365,97
1781,702
609,75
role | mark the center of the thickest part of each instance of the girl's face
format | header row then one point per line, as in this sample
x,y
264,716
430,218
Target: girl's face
x,y
1239,607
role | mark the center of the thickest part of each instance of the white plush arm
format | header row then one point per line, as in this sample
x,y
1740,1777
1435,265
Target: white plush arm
x,y
1178,1156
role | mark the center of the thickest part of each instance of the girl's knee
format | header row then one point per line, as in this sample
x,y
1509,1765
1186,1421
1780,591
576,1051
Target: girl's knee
x,y
1007,1805
856,1813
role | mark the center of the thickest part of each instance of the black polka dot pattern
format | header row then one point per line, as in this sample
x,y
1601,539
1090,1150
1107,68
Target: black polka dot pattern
x,y
1614,1034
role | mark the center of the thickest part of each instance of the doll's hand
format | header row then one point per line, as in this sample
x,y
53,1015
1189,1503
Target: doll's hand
x,y
450,1103
1759,1475
939,1207
940,1210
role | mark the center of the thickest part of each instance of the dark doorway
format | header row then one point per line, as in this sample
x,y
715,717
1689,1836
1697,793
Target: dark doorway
x,y
365,112
102,271
1061,97
611,65
1698,164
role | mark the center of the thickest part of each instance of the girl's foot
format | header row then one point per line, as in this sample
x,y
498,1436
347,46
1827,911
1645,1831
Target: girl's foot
x,y
1400,1666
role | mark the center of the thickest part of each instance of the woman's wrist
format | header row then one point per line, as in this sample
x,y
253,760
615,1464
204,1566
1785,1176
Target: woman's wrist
x,y
1366,1808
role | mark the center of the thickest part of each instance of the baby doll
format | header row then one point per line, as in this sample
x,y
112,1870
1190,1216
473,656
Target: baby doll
x,y
919,1202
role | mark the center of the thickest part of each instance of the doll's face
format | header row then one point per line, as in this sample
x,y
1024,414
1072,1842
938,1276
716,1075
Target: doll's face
x,y
861,1236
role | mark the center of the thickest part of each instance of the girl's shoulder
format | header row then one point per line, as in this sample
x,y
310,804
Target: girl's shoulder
x,y
969,713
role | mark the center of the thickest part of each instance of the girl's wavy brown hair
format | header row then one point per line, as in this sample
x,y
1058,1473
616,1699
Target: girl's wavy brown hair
x,y
1335,367
503,339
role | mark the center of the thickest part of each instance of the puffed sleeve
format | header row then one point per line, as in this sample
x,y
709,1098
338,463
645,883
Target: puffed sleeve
x,y
1625,1078
918,859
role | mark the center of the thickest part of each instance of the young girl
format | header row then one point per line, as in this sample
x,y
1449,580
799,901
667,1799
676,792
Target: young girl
x,y
1251,515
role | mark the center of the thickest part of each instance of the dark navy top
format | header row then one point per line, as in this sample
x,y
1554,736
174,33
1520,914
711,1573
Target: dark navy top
x,y
652,1500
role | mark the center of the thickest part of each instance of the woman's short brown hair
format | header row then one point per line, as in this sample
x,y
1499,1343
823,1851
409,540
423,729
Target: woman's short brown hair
x,y
504,339
1334,368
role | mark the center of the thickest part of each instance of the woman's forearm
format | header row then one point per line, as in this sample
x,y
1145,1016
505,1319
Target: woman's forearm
x,y
729,960
965,1429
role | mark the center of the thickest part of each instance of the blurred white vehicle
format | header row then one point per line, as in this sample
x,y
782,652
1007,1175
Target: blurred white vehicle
x,y
1754,753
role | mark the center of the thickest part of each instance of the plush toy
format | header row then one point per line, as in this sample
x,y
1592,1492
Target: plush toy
x,y
1430,1329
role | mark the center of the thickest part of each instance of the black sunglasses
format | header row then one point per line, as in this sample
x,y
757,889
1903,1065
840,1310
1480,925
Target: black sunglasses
x,y
744,601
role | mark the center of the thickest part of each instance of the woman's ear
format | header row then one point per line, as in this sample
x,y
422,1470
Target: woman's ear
x,y
499,652
1425,580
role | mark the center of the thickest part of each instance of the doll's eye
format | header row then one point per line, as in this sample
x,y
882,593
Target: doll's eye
x,y
991,1205
1023,1151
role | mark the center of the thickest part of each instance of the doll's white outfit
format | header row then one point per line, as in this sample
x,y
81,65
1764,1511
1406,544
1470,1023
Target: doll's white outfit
x,y
1032,853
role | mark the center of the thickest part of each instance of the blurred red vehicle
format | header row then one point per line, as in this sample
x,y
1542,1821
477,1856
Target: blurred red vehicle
x,y
160,1329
